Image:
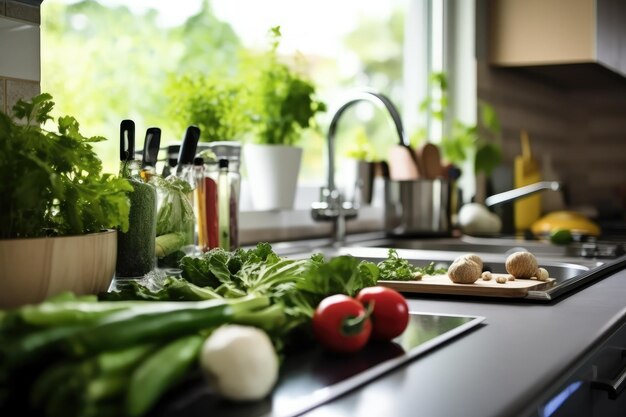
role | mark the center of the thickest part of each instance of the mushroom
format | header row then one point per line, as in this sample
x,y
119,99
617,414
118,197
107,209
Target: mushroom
x,y
521,264
475,258
542,274
464,270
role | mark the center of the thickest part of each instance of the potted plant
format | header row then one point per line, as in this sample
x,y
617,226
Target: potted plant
x,y
57,209
282,103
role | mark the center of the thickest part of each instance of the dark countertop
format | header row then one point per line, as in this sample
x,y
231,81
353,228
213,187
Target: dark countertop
x,y
522,352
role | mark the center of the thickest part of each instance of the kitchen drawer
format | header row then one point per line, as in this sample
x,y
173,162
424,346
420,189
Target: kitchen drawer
x,y
585,391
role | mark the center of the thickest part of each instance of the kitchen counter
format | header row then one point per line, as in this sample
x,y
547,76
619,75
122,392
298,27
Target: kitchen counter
x,y
517,361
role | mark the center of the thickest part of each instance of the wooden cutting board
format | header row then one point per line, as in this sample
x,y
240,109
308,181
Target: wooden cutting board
x,y
441,284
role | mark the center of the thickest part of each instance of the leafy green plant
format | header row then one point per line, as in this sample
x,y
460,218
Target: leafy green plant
x,y
218,106
282,101
481,140
52,181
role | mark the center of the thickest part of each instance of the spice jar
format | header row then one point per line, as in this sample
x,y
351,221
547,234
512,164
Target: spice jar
x,y
231,151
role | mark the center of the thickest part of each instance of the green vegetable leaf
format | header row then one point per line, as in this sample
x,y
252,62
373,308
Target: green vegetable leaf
x,y
52,181
395,268
340,275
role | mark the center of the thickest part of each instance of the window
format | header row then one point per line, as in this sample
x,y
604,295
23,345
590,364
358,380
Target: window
x,y
109,60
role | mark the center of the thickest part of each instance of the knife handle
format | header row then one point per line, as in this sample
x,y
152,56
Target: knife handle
x,y
189,146
151,147
127,140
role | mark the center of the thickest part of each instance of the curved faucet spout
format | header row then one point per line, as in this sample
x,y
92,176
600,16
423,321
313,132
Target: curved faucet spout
x,y
332,207
365,95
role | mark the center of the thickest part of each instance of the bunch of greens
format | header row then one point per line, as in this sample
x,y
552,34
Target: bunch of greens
x,y
395,268
175,217
295,286
282,102
52,181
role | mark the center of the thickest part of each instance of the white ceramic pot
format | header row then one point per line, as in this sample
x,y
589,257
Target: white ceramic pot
x,y
37,268
272,175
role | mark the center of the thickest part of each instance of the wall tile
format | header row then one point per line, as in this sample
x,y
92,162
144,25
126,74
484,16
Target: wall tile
x,y
17,89
21,11
584,131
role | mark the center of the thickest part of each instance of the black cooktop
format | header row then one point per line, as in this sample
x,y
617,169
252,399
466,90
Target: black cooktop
x,y
313,376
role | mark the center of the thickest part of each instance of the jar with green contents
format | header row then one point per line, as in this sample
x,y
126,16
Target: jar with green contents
x,y
136,248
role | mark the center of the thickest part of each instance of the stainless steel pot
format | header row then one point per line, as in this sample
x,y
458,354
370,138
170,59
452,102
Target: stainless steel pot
x,y
420,207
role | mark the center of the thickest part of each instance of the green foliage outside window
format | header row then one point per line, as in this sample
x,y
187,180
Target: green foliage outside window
x,y
482,141
107,63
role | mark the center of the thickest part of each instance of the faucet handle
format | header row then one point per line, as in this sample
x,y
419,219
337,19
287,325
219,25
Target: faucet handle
x,y
522,192
332,206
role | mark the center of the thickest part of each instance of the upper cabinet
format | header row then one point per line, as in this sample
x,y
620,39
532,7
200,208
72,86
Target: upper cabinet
x,y
557,33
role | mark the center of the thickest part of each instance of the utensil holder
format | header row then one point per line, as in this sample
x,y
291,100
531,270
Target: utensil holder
x,y
417,208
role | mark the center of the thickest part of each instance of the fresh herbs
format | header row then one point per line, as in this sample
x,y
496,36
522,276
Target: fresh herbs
x,y
52,181
264,99
295,286
395,268
283,102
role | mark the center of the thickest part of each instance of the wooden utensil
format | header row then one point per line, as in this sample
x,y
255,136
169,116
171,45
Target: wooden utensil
x,y
417,155
402,165
431,161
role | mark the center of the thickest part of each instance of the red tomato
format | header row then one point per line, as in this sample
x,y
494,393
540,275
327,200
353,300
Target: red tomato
x,y
340,323
390,314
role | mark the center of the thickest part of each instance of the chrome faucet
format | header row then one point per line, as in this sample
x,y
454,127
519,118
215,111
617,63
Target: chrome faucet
x,y
332,206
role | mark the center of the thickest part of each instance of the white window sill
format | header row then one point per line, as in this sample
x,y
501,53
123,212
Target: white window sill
x,y
275,226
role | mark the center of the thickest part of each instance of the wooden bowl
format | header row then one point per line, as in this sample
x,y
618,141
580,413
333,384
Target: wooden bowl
x,y
32,270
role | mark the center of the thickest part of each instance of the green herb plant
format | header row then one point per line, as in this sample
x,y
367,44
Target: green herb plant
x,y
282,101
395,268
481,140
52,180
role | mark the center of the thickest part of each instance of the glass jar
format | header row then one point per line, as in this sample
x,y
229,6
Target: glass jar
x,y
136,247
231,151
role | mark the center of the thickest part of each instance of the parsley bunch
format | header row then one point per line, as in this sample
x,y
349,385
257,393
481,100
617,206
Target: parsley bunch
x,y
395,268
52,181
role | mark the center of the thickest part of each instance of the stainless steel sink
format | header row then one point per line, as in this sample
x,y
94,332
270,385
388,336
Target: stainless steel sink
x,y
570,272
471,244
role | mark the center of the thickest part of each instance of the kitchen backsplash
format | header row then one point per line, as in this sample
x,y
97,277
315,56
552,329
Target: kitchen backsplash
x,y
582,129
19,52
